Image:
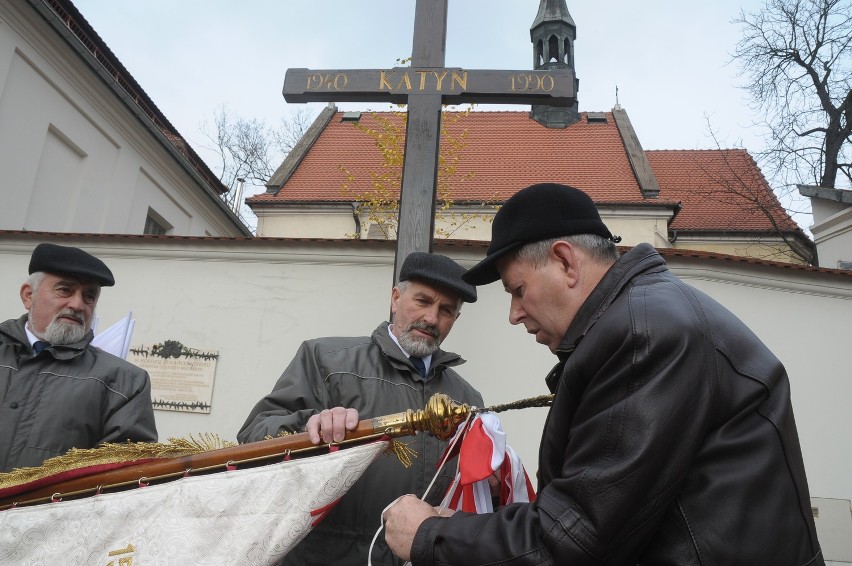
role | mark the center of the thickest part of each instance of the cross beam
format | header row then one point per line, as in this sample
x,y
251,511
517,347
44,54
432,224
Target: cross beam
x,y
453,85
425,87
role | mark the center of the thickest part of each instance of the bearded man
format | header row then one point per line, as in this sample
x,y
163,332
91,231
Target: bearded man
x,y
57,391
332,382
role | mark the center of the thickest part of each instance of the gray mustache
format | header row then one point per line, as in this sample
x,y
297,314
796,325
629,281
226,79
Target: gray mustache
x,y
429,329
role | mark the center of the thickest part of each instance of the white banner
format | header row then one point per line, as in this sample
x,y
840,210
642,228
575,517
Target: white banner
x,y
116,338
240,517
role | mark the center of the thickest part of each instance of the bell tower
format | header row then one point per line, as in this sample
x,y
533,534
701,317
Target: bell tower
x,y
553,33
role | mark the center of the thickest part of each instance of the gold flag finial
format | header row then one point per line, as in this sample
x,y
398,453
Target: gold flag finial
x,y
441,417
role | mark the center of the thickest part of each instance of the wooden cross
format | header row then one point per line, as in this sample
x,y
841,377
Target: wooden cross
x,y
425,87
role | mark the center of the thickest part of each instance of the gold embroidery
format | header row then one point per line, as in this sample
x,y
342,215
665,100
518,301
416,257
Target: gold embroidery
x,y
130,548
124,560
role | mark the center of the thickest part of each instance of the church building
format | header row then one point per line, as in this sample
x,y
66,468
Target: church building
x,y
82,147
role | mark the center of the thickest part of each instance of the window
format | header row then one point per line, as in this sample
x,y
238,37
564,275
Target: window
x,y
155,224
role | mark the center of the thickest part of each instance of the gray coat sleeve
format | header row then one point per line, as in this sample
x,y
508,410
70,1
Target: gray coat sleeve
x,y
299,393
134,419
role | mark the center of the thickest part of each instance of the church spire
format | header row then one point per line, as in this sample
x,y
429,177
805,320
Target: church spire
x,y
553,33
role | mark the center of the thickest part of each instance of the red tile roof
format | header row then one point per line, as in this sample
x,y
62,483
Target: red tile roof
x,y
506,151
720,190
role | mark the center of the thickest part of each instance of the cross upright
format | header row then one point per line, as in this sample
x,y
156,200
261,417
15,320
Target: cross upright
x,y
425,87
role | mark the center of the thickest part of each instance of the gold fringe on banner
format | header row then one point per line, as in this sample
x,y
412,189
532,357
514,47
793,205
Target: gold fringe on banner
x,y
113,453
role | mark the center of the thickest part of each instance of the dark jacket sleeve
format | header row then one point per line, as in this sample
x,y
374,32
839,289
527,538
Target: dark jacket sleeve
x,y
133,418
299,393
626,397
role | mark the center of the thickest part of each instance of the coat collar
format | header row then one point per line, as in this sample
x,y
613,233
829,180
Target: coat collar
x,y
642,258
15,331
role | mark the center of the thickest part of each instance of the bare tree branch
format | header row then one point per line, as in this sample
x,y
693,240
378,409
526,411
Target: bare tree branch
x,y
736,183
249,151
797,55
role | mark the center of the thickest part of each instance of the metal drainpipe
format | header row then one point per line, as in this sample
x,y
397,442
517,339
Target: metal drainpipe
x,y
357,217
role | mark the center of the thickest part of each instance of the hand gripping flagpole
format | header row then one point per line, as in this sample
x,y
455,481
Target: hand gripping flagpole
x,y
114,467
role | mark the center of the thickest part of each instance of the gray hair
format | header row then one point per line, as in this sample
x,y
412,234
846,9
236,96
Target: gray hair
x,y
35,279
601,249
403,285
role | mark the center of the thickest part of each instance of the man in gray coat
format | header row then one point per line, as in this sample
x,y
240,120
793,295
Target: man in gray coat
x,y
333,382
56,390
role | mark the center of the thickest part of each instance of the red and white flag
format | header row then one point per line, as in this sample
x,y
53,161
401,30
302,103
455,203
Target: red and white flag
x,y
246,517
484,453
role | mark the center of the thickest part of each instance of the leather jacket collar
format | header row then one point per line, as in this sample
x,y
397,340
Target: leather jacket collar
x,y
641,258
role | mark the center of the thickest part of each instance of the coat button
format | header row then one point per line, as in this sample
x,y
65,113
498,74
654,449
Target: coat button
x,y
13,404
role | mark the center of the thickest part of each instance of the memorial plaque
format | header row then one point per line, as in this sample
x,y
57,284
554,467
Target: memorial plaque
x,y
181,377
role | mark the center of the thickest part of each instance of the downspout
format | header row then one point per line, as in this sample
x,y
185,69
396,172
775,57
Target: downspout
x,y
357,217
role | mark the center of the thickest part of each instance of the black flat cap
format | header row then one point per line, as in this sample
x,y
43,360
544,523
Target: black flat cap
x,y
438,270
538,212
71,261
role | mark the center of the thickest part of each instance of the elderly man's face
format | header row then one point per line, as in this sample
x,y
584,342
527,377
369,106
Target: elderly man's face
x,y
542,299
60,308
422,317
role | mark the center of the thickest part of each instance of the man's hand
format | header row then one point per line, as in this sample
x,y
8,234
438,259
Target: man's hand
x,y
331,425
402,521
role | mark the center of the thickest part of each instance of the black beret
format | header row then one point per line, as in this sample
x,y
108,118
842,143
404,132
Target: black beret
x,y
439,270
71,261
538,212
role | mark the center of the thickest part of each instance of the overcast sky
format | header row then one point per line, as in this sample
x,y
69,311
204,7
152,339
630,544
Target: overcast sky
x,y
670,60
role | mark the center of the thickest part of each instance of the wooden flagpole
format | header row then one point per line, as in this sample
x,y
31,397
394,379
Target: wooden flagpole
x,y
440,417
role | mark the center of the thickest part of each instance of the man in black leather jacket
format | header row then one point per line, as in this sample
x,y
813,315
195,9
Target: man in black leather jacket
x,y
671,438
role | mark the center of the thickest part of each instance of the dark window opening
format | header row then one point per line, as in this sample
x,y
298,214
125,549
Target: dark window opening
x,y
155,224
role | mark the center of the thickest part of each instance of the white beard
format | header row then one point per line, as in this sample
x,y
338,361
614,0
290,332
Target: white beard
x,y
419,347
61,332
64,332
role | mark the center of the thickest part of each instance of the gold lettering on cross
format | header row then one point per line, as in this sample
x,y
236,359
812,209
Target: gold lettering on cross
x,y
384,84
406,81
392,82
439,80
532,83
327,81
423,75
461,80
